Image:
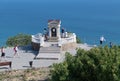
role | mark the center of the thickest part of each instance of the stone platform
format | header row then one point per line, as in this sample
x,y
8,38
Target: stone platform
x,y
52,56
50,50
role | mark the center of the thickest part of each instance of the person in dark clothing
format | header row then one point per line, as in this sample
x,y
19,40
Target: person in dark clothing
x,y
2,53
46,34
110,44
62,31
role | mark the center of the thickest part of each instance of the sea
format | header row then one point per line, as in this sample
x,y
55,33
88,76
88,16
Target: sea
x,y
89,19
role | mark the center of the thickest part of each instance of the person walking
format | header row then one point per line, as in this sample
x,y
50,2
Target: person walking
x,y
15,50
102,39
63,32
2,53
111,44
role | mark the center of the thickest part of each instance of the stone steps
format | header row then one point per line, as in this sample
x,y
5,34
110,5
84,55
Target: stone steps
x,y
52,52
48,44
51,49
53,56
53,39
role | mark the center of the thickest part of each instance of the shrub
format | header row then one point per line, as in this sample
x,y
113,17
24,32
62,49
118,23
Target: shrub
x,y
19,39
97,64
78,40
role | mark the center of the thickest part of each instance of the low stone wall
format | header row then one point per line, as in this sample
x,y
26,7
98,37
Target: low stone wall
x,y
69,46
64,47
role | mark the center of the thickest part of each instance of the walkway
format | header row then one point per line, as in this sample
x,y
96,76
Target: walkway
x,y
22,61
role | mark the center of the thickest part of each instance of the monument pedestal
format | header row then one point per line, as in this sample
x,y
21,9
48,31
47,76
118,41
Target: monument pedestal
x,y
53,39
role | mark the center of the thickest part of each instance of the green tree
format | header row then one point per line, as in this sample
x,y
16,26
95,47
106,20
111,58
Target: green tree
x,y
97,64
78,40
19,39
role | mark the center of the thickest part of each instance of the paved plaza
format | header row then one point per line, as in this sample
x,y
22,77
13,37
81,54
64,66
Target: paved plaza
x,y
26,54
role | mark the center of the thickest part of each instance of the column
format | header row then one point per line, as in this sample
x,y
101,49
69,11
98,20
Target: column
x,y
49,32
58,32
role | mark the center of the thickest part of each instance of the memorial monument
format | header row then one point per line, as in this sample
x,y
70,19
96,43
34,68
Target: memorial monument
x,y
53,42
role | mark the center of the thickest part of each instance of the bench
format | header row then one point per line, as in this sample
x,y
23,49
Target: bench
x,y
6,63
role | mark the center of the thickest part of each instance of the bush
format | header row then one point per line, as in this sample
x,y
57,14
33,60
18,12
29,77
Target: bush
x,y
78,40
97,64
19,39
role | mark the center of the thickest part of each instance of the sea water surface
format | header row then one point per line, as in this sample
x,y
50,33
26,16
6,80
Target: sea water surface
x,y
89,19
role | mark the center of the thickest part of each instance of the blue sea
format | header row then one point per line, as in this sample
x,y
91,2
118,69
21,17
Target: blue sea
x,y
89,19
